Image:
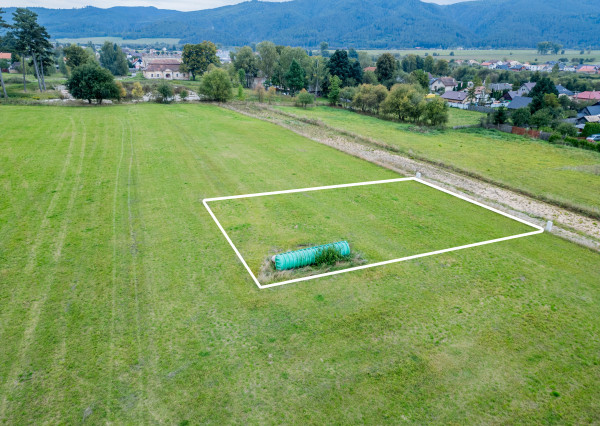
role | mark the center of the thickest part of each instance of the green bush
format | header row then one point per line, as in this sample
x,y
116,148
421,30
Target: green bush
x,y
582,143
165,92
572,141
304,98
329,256
590,129
555,138
216,85
566,129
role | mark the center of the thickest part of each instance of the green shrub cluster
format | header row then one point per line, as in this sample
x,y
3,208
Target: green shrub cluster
x,y
556,138
590,129
329,256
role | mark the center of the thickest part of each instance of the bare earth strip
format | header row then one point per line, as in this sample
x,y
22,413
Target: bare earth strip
x,y
572,225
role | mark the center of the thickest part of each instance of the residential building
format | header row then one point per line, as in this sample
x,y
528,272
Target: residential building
x,y
588,96
525,89
590,110
520,102
500,87
510,95
563,91
455,98
444,84
587,69
588,119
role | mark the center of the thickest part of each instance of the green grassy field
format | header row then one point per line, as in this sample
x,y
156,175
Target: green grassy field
x,y
521,55
14,87
389,221
563,174
121,302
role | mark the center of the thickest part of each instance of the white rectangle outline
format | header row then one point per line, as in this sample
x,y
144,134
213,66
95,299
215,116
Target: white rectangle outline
x,y
205,201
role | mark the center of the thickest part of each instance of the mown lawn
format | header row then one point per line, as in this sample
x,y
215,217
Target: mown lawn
x,y
389,221
121,302
564,174
459,117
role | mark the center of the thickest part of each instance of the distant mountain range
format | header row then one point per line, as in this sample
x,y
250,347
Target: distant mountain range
x,y
346,23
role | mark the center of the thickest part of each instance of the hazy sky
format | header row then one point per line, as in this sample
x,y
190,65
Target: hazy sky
x,y
161,4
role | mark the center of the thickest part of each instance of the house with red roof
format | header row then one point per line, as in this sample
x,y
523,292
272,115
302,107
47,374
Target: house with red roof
x,y
587,69
588,96
6,57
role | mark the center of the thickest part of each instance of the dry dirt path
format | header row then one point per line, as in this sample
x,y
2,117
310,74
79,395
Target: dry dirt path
x,y
572,226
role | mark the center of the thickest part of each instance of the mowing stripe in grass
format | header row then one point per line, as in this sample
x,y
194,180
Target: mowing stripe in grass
x,y
36,308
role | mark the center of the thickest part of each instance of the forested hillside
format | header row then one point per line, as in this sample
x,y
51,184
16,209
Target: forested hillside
x,y
373,24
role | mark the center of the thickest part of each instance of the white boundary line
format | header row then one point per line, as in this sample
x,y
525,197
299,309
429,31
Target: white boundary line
x,y
538,229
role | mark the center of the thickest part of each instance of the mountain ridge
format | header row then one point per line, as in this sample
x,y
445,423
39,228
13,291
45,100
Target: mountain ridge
x,y
344,23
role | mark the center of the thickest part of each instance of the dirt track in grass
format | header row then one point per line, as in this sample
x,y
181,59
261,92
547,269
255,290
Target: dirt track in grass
x,y
570,225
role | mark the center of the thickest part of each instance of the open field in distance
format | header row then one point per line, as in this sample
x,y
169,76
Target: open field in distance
x,y
521,55
120,40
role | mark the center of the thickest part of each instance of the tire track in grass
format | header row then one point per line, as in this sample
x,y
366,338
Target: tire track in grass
x,y
36,307
150,403
19,210
111,365
134,250
53,201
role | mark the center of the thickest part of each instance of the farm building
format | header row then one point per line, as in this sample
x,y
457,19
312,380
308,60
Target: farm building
x,y
165,68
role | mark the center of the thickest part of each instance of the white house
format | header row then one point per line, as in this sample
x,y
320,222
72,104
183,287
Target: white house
x,y
166,69
445,84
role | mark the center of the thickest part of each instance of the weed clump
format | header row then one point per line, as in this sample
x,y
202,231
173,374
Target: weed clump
x,y
329,256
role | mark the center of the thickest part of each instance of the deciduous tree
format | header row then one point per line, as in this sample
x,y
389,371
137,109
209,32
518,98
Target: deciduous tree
x,y
268,58
197,57
113,59
216,85
137,92
334,89
246,59
165,92
405,101
521,117
76,55
436,112
90,82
